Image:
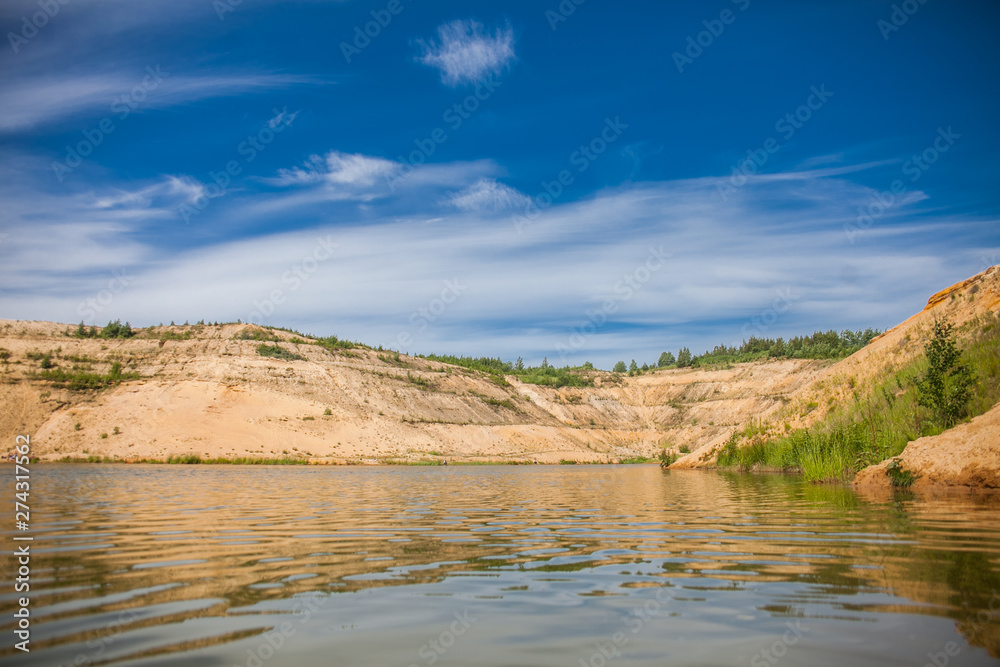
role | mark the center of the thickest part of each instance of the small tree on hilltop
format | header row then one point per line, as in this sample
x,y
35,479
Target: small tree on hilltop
x,y
684,357
666,359
946,387
620,367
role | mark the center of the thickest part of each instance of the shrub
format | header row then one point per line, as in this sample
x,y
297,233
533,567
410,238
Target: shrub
x,y
79,380
946,387
189,459
666,457
116,330
278,352
252,333
900,478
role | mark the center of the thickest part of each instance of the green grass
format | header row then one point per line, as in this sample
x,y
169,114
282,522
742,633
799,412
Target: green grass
x,y
417,380
636,459
901,479
870,428
194,459
251,333
78,380
173,335
278,352
190,459
548,376
505,403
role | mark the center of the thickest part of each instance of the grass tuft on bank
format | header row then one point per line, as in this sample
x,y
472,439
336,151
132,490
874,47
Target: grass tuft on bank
x,y
878,424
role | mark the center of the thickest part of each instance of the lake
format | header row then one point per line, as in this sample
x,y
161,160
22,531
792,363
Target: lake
x,y
496,565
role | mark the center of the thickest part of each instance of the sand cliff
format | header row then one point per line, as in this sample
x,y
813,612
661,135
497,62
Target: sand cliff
x,y
212,395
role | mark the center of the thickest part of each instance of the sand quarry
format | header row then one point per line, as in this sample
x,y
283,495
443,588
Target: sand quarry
x,y
213,396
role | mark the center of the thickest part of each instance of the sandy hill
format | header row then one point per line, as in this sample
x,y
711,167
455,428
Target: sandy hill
x,y
203,390
969,302
213,395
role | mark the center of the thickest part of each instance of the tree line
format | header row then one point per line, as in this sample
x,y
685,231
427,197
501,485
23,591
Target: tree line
x,y
819,345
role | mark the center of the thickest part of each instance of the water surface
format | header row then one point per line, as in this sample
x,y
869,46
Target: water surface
x,y
541,565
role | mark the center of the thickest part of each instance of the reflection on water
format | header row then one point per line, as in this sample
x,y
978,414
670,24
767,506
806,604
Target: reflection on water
x,y
559,565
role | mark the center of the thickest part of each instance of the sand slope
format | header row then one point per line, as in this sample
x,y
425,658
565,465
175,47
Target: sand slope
x,y
213,395
967,456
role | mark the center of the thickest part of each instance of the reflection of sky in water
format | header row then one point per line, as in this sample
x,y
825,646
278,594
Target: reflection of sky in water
x,y
184,565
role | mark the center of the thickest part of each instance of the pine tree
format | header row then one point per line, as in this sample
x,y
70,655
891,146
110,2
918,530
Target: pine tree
x,y
620,367
946,387
666,359
519,364
684,357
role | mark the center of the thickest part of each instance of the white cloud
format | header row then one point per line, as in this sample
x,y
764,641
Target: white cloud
x,y
342,175
34,101
179,189
525,292
488,195
465,52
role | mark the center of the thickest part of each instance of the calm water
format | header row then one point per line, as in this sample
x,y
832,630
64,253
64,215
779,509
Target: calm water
x,y
561,565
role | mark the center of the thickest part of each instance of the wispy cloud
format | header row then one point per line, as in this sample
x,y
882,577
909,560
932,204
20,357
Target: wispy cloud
x,y
344,175
465,52
36,101
525,291
488,195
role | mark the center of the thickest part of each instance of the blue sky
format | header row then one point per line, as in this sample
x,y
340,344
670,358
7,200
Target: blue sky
x,y
593,181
